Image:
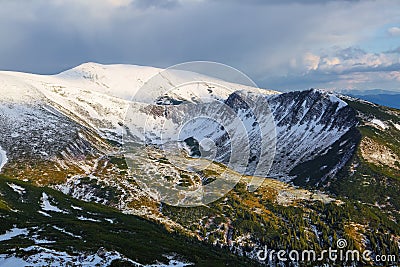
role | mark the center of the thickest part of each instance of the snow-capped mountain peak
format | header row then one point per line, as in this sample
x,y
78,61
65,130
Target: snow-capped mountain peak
x,y
99,96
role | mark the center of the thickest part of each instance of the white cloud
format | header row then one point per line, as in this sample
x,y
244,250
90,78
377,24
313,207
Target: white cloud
x,y
119,2
360,62
311,61
394,75
334,61
349,68
394,31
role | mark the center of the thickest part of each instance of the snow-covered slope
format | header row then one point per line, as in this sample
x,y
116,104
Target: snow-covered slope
x,y
34,130
3,158
308,125
99,95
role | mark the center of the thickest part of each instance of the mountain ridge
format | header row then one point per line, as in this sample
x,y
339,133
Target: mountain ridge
x,y
107,114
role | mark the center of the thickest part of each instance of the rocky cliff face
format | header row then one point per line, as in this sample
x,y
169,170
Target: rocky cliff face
x,y
316,136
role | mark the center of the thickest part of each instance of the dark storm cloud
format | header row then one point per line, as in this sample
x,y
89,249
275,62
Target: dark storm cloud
x,y
261,38
204,31
144,4
285,2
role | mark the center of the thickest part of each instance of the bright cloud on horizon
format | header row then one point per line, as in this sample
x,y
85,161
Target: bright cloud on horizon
x,y
394,31
354,68
281,44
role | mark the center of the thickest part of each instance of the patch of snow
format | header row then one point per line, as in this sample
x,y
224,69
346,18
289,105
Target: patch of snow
x,y
40,256
11,261
397,126
3,158
16,188
76,208
47,206
66,232
13,233
37,240
15,135
336,99
44,213
172,263
109,220
82,218
379,123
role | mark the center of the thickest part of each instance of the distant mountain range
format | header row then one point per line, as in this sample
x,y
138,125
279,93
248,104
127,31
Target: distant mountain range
x,y
378,96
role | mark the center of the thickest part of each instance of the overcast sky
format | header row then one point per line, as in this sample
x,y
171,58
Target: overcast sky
x,y
280,44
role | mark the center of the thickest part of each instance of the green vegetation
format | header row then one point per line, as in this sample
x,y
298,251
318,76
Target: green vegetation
x,y
380,112
367,181
136,238
120,162
307,225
